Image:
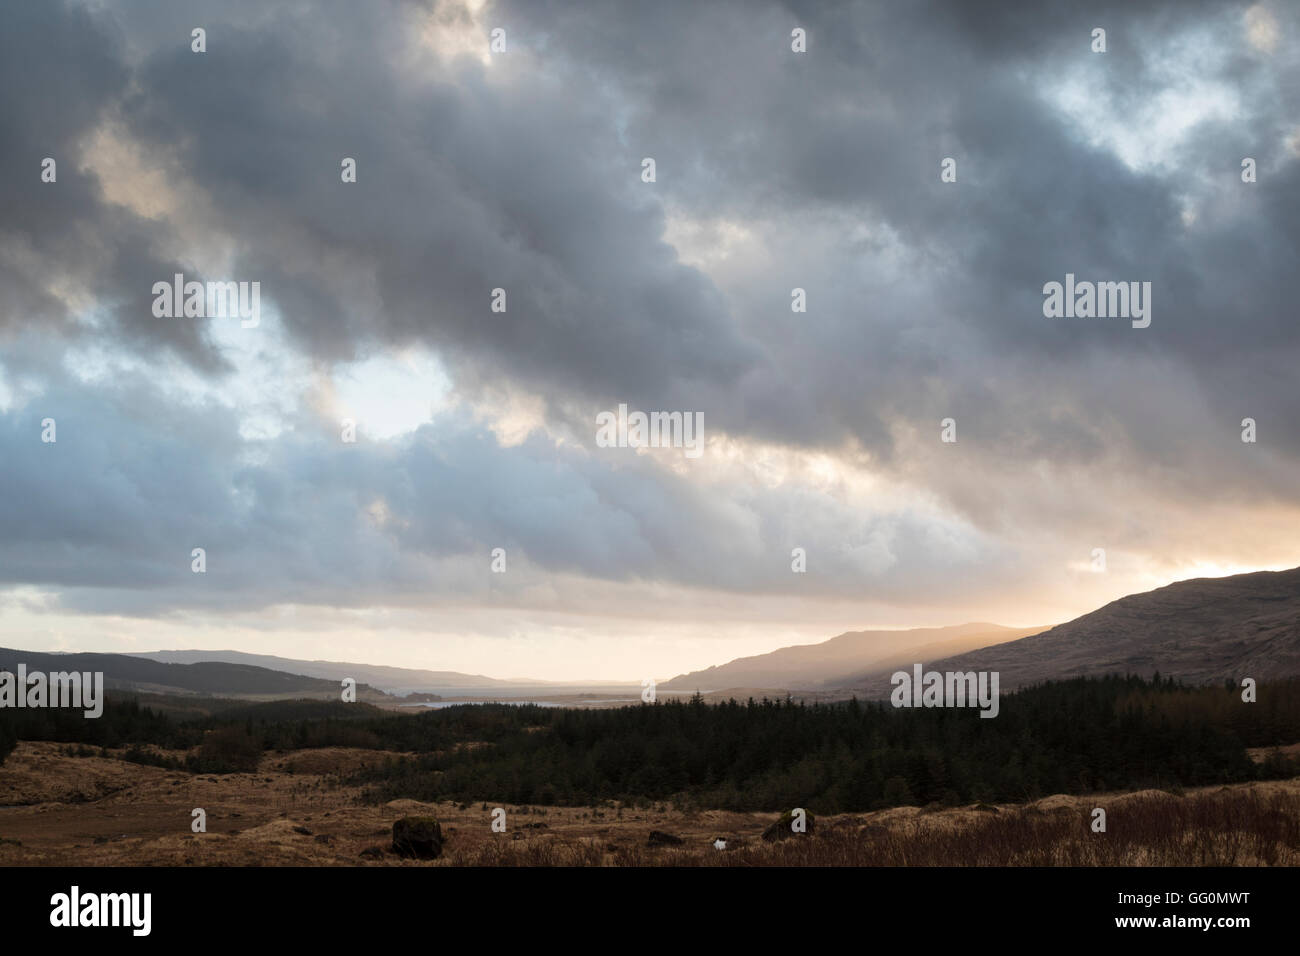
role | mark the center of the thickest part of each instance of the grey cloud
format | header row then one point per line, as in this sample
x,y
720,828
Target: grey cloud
x,y
109,513
525,176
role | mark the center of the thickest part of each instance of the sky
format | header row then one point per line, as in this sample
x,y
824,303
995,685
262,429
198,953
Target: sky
x,y
522,168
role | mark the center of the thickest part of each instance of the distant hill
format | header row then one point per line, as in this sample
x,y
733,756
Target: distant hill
x,y
1201,631
844,659
221,679
393,680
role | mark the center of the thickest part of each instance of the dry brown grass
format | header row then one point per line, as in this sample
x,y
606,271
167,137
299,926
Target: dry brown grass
x,y
106,812
1240,826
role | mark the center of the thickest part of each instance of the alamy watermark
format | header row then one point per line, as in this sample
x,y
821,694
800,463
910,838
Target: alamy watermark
x,y
74,908
60,689
655,430
1102,300
951,689
210,300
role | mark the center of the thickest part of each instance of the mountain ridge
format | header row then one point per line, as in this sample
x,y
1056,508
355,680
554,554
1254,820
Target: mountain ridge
x,y
220,678
838,659
1201,630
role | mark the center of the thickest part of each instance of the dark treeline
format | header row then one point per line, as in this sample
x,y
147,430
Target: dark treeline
x,y
8,738
1072,736
231,739
122,722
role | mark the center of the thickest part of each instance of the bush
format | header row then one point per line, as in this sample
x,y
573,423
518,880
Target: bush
x,y
228,750
897,792
8,740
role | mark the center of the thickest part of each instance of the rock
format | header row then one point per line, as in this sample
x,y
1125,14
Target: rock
x,y
323,838
419,837
373,853
303,830
660,838
783,828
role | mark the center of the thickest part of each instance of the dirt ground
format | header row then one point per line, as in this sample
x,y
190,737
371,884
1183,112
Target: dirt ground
x,y
92,811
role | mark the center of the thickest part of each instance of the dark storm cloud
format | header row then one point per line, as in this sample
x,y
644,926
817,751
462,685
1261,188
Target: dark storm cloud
x,y
62,75
861,125
470,182
924,298
463,187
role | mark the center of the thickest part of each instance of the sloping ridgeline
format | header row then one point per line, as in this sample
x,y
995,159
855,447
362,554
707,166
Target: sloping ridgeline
x,y
124,672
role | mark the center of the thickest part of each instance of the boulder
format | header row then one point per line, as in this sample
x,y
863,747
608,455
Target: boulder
x,y
783,828
660,838
419,837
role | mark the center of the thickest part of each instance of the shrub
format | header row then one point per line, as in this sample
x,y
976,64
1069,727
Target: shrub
x,y
228,750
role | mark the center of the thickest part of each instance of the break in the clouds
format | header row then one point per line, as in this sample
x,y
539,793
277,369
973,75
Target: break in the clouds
x,y
521,170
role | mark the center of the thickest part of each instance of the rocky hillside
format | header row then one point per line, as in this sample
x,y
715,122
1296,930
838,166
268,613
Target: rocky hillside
x,y
842,659
1204,630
